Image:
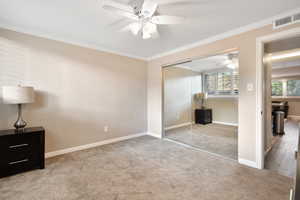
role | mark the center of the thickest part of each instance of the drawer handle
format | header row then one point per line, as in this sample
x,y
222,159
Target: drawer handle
x,y
17,146
19,161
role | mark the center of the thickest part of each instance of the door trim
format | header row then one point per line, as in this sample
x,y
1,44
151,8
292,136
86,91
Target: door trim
x,y
260,108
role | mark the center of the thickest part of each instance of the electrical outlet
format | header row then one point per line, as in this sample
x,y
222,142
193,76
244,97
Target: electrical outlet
x,y
105,129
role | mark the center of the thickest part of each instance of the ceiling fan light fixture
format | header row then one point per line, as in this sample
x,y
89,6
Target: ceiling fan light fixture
x,y
146,35
135,28
231,66
149,29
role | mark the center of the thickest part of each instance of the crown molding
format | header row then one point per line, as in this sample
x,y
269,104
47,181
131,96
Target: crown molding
x,y
225,35
68,41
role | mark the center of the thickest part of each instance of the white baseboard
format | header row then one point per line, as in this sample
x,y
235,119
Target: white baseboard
x,y
178,126
248,163
92,145
155,135
225,123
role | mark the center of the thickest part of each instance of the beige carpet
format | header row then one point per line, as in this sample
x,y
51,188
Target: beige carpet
x,y
214,138
144,168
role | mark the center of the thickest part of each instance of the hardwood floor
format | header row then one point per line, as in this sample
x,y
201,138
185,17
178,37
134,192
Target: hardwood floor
x,y
281,157
215,138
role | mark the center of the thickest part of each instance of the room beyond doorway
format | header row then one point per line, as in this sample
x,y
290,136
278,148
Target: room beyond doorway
x,y
201,104
282,104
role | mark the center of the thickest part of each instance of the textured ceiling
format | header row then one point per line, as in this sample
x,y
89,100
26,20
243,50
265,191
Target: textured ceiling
x,y
85,22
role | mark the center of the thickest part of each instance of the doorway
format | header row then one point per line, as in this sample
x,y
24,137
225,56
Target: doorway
x,y
282,104
261,109
201,104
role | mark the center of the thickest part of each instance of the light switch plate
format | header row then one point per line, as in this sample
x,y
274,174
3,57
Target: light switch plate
x,y
250,87
105,129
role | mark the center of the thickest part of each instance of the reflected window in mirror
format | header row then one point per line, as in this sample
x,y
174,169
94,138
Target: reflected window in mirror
x,y
222,82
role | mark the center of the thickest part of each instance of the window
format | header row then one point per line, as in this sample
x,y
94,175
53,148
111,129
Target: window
x,y
277,89
293,88
222,83
286,88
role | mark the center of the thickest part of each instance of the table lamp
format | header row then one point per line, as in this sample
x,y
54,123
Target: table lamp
x,y
18,95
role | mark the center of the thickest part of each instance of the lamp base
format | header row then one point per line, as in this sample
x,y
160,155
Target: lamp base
x,y
20,123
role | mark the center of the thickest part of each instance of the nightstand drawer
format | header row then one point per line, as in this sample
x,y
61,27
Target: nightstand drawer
x,y
21,154
18,148
18,166
11,157
18,142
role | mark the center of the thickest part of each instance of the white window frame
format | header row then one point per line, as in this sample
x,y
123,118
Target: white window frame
x,y
231,94
284,90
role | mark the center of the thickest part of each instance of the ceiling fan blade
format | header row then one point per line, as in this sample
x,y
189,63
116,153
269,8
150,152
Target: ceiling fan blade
x,y
125,29
149,8
120,6
166,19
120,9
121,13
162,2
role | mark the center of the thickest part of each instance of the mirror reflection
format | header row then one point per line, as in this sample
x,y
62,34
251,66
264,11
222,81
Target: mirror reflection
x,y
201,104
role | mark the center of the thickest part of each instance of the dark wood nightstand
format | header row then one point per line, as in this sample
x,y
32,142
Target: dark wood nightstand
x,y
203,116
21,151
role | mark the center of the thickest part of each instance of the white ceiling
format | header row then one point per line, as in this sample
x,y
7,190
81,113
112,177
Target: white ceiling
x,y
209,63
85,22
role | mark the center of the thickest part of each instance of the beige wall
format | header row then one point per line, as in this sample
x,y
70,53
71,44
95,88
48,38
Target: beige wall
x,y
79,90
294,107
245,43
225,110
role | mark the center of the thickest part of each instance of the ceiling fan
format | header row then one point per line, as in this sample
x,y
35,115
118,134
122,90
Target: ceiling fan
x,y
144,14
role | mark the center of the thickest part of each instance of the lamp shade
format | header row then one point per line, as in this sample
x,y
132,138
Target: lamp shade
x,y
17,94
